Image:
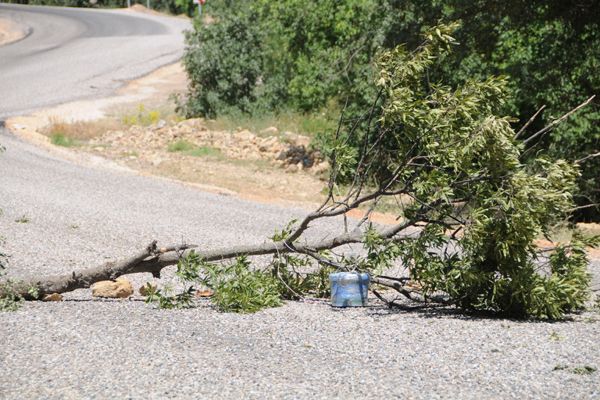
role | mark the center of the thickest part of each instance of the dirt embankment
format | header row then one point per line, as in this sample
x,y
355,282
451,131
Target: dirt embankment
x,y
10,31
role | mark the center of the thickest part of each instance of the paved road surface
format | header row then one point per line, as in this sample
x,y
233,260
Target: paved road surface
x,y
59,216
75,53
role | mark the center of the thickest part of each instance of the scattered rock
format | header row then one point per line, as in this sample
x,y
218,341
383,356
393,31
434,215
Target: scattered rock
x,y
292,168
320,168
298,155
118,289
204,293
244,137
150,144
272,130
296,140
53,297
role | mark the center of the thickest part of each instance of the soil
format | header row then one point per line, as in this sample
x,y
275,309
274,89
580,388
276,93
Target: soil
x,y
241,162
10,31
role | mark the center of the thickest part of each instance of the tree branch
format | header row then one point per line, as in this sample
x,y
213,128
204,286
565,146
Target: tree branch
x,y
518,134
558,121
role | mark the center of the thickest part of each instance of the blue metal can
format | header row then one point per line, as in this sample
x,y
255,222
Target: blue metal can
x,y
349,289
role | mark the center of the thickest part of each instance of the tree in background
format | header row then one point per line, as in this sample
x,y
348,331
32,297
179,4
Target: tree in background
x,y
269,56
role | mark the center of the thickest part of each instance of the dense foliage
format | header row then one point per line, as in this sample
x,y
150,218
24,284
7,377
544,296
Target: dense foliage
x,y
306,56
460,164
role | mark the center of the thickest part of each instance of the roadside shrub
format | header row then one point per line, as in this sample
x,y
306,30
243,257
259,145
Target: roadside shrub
x,y
223,65
269,56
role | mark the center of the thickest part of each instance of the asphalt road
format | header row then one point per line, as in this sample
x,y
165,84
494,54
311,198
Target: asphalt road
x,y
58,216
78,53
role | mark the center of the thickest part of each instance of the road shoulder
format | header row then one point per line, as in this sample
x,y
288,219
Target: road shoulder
x,y
11,31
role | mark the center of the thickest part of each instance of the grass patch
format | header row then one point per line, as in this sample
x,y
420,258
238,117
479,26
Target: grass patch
x,y
582,370
564,233
305,124
190,149
181,146
69,134
60,139
555,337
205,151
23,219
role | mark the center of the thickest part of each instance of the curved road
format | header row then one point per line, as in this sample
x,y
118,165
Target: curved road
x,y
58,216
77,53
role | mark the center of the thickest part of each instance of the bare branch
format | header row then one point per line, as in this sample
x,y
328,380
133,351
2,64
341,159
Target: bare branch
x,y
588,157
554,123
108,271
584,207
518,134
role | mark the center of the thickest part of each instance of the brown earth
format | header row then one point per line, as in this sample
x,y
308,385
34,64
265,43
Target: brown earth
x,y
10,31
240,162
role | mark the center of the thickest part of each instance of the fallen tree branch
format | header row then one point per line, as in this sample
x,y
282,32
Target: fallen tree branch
x,y
87,277
153,259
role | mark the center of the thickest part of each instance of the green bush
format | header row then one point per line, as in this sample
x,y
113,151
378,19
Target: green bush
x,y
60,139
223,66
269,56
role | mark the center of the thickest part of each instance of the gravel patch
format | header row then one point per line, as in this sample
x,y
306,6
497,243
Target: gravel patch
x,y
125,349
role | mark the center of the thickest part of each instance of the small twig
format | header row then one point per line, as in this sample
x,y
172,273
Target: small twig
x,y
296,294
588,157
584,207
518,134
558,121
402,280
388,303
394,285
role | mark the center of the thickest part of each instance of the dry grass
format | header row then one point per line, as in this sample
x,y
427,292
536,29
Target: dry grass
x,y
80,131
589,229
68,134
